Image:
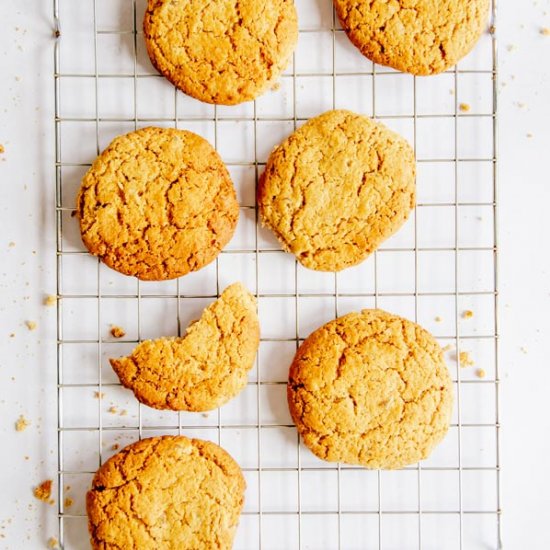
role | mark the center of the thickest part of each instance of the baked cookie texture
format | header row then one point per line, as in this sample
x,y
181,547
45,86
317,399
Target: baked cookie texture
x,y
370,388
223,51
206,367
166,492
336,188
421,37
157,204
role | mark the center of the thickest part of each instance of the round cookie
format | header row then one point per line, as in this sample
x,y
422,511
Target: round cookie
x,y
157,204
372,389
225,51
205,368
422,37
336,188
166,492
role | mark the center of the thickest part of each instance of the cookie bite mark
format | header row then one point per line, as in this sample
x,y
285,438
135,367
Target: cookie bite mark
x,y
206,367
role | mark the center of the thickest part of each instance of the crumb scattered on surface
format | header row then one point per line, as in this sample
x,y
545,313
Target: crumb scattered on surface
x,y
511,47
480,373
117,332
447,348
115,447
112,410
1,149
205,415
529,135
464,107
492,29
50,300
12,334
22,424
123,412
545,31
68,502
43,491
11,244
53,543
275,86
467,314
31,325
438,319
465,359
99,395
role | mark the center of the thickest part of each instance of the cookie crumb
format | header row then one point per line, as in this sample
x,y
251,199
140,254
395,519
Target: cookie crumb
x,y
465,359
68,502
447,348
99,395
464,107
545,31
123,412
11,244
53,543
529,135
438,319
50,300
22,424
112,410
480,373
204,415
12,334
115,447
2,150
43,491
467,314
117,332
31,325
492,29
511,47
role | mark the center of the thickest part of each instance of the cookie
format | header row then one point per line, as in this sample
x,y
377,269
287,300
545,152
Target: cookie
x,y
222,51
422,37
166,492
370,388
205,368
157,204
336,188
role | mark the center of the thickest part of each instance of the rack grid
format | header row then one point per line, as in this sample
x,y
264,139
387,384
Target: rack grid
x,y
442,262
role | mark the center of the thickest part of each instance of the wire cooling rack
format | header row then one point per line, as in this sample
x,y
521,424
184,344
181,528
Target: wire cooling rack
x,y
441,263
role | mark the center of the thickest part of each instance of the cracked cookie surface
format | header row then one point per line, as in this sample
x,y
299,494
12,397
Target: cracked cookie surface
x,y
336,188
157,204
166,492
370,388
206,367
420,37
222,51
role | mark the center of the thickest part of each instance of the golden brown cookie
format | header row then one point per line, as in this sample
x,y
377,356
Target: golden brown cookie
x,y
166,492
222,51
205,368
157,203
370,388
422,37
336,188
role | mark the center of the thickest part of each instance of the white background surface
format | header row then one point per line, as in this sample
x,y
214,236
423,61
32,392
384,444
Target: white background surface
x,y
27,271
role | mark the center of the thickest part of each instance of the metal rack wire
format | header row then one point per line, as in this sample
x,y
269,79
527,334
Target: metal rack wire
x,y
340,519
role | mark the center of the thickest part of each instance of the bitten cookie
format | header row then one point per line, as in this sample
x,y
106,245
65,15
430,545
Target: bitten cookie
x,y
157,204
422,37
370,388
222,51
166,492
336,188
205,368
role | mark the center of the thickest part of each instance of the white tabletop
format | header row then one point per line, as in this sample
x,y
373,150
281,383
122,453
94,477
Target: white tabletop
x,y
27,271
